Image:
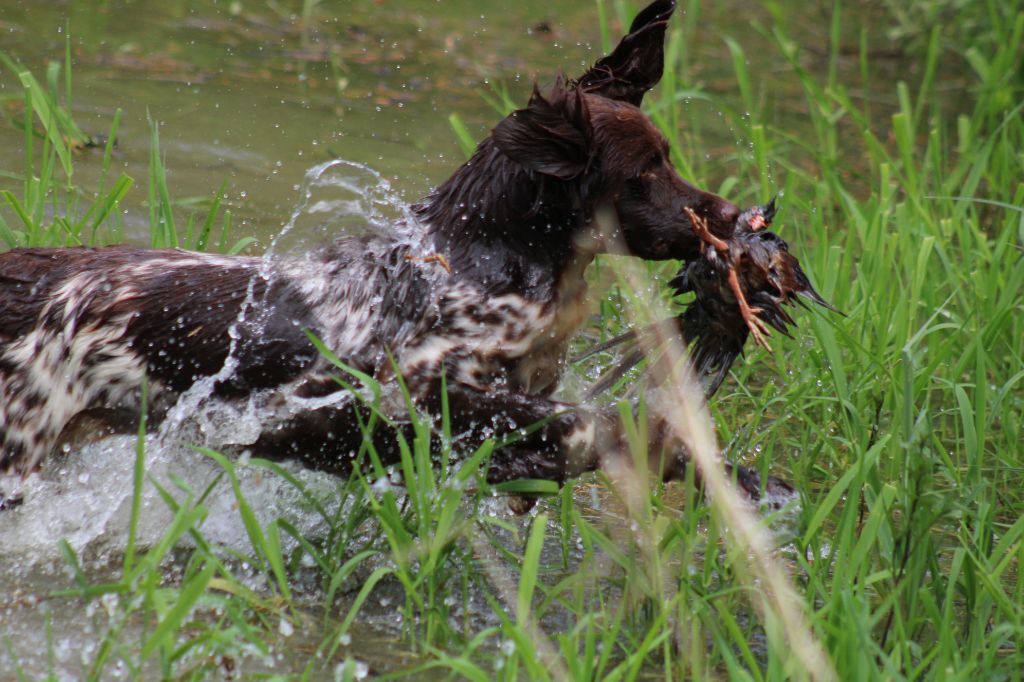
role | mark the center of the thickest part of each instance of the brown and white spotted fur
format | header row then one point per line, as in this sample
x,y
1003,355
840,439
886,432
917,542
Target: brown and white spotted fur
x,y
485,289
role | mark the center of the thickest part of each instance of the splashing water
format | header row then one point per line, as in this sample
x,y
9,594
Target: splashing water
x,y
343,197
338,197
86,500
85,496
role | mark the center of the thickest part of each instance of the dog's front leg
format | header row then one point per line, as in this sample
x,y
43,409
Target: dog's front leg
x,y
544,439
541,438
669,455
560,441
554,441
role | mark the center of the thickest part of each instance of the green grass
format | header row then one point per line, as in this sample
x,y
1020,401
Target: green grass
x,y
900,424
52,210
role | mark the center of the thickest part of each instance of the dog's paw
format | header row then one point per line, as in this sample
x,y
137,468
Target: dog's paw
x,y
521,504
773,495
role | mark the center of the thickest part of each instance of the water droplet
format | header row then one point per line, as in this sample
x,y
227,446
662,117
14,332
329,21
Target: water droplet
x,y
286,628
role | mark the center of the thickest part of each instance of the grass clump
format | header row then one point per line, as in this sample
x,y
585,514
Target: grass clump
x,y
52,210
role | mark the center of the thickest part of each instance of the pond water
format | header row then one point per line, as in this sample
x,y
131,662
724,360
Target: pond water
x,y
255,95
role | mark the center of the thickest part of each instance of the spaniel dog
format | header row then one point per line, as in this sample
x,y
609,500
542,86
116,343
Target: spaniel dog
x,y
470,307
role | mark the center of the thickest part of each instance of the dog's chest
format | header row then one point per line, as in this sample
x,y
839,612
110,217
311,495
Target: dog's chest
x,y
506,341
539,369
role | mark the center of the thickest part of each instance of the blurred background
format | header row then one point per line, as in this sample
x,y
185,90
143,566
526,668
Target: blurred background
x,y
254,92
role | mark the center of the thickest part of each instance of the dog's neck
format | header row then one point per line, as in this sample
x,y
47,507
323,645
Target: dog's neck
x,y
505,227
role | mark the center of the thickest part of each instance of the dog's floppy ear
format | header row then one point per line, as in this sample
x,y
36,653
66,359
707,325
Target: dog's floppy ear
x,y
636,64
550,136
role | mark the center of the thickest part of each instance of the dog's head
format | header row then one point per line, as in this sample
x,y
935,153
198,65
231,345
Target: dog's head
x,y
592,133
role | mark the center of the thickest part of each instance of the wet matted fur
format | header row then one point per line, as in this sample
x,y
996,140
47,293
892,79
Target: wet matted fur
x,y
485,289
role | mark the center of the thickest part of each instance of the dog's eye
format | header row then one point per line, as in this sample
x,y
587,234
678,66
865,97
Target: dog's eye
x,y
660,163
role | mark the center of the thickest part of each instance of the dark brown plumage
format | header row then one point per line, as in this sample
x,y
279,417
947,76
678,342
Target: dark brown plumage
x,y
713,325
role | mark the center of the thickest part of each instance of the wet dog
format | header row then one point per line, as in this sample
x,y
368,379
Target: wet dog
x,y
476,302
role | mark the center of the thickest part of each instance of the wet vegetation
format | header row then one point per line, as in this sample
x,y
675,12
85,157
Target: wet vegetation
x,y
894,141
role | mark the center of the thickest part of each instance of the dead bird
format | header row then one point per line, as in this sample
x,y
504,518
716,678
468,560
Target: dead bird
x,y
741,285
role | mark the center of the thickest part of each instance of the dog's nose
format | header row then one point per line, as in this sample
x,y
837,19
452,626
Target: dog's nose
x,y
728,212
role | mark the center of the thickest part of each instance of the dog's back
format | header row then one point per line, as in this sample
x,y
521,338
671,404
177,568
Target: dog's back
x,y
77,330
80,328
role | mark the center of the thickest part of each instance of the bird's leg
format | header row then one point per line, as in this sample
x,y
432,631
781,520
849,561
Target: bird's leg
x,y
754,323
701,229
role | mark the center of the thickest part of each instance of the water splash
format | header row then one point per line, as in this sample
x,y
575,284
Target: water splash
x,y
85,497
337,197
342,197
86,500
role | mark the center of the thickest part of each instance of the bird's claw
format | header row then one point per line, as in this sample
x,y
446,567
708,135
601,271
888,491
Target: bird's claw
x,y
438,258
758,329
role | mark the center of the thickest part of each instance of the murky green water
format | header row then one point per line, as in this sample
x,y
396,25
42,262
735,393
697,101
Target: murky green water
x,y
254,94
